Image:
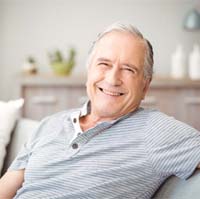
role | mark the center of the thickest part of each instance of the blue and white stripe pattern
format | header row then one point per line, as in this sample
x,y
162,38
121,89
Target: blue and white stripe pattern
x,y
124,159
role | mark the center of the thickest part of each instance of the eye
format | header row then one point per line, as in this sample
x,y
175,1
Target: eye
x,y
128,69
103,64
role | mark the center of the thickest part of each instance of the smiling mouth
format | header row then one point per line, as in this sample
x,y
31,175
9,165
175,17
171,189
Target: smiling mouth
x,y
107,92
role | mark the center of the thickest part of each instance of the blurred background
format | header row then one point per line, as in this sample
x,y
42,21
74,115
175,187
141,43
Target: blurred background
x,y
34,28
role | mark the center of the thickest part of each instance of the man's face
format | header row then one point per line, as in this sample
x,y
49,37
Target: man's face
x,y
116,83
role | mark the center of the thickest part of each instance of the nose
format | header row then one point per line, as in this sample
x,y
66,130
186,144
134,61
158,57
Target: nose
x,y
113,76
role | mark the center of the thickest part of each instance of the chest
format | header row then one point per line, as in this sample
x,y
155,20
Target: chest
x,y
106,161
102,153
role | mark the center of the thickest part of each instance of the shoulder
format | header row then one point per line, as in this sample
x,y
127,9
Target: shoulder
x,y
163,128
161,121
52,124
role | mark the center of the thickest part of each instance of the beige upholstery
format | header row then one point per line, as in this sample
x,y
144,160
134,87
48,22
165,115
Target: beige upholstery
x,y
175,188
23,129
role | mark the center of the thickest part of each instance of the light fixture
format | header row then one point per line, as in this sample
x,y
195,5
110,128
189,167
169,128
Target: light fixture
x,y
192,20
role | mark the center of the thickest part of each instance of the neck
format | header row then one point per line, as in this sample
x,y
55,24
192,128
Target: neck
x,y
86,123
91,120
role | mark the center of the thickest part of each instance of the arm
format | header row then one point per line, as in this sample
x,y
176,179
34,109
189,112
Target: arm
x,y
10,183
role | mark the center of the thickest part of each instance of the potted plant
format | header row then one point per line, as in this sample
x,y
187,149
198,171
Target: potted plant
x,y
29,65
60,64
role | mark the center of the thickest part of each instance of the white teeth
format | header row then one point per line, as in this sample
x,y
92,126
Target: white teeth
x,y
111,93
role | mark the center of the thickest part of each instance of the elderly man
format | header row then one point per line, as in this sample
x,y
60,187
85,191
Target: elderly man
x,y
111,147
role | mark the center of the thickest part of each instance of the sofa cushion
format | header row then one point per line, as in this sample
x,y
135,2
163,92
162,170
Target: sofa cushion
x,y
175,188
8,116
23,129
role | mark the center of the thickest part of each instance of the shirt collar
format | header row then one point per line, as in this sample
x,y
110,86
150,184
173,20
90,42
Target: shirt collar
x,y
87,108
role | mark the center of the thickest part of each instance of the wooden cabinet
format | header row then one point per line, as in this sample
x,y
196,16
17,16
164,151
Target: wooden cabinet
x,y
45,95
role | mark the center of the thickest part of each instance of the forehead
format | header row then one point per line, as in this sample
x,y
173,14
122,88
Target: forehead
x,y
120,45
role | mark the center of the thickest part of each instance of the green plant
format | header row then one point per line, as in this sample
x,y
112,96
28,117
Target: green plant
x,y
31,60
60,64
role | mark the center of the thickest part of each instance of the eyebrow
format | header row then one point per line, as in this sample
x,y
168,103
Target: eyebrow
x,y
103,59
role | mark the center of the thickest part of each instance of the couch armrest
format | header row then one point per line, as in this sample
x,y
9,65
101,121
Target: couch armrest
x,y
175,188
22,131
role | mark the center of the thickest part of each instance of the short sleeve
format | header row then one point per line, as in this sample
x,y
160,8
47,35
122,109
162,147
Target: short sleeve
x,y
22,158
173,146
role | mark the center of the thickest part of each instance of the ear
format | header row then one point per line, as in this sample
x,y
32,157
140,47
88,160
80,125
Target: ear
x,y
146,86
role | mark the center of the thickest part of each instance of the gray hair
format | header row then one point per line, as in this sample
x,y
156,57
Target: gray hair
x,y
148,60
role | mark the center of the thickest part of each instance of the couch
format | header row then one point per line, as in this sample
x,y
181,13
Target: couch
x,y
173,188
23,129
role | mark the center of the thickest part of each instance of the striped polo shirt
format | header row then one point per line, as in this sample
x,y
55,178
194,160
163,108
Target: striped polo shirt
x,y
127,158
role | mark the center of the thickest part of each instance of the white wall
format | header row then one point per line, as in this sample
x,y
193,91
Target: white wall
x,y
32,27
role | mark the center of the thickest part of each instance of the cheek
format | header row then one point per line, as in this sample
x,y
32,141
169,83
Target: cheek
x,y
95,75
134,86
89,88
92,79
